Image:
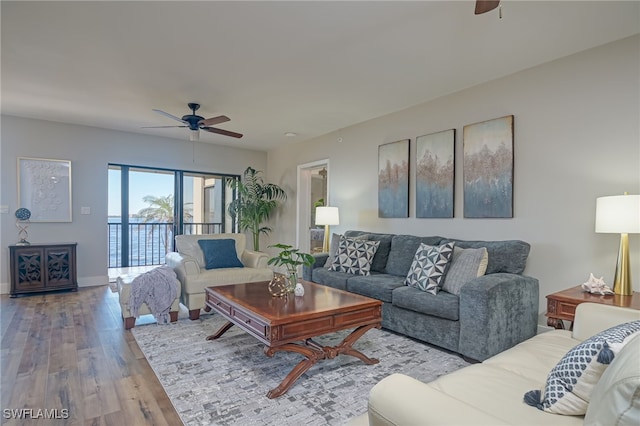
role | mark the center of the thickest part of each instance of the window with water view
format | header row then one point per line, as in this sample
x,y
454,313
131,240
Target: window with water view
x,y
148,207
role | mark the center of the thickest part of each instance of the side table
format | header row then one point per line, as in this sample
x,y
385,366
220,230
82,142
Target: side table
x,y
562,305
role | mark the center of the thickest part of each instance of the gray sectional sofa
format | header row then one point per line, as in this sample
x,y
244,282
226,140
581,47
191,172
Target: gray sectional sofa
x,y
492,313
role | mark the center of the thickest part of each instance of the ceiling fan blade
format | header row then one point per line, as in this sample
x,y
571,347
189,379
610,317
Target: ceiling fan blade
x,y
214,120
160,127
222,132
166,114
484,6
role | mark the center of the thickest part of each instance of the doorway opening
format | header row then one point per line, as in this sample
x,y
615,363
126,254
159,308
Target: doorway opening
x,y
313,191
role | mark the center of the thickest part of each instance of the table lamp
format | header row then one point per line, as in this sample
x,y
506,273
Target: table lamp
x,y
620,214
327,216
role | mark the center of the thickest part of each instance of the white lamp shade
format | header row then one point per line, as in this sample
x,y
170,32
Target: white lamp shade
x,y
618,214
327,216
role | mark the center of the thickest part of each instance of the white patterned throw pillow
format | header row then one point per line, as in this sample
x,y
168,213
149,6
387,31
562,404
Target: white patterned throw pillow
x,y
354,256
429,267
571,382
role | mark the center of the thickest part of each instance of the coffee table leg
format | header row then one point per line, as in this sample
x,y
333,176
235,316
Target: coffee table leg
x,y
312,355
220,332
345,348
315,352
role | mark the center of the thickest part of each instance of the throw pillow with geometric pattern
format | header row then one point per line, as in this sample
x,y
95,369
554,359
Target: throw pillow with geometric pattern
x,y
354,256
429,267
571,382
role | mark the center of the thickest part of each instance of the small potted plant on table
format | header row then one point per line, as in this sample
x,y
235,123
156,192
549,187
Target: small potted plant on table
x,y
290,258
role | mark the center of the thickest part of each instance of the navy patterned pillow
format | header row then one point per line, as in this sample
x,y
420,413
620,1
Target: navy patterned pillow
x,y
571,382
429,267
354,256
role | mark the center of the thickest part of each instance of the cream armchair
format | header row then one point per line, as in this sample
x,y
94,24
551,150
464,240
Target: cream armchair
x,y
189,264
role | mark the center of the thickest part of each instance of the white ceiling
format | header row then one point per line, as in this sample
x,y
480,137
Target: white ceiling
x,y
309,67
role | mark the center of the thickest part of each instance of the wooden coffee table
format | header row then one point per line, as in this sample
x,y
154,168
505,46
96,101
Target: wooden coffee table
x,y
289,324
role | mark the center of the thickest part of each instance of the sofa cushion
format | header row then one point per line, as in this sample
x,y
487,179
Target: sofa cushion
x,y
381,257
354,256
466,264
403,248
220,253
330,278
442,305
379,261
224,276
429,266
188,245
571,382
504,256
616,398
378,286
491,389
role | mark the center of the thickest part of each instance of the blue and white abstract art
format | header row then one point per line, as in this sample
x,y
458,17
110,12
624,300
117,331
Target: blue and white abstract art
x,y
393,179
488,168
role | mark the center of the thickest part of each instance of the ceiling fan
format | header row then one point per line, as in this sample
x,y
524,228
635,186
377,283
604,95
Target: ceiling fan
x,y
195,123
484,6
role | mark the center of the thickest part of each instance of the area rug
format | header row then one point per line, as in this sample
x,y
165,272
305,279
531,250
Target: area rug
x,y
225,382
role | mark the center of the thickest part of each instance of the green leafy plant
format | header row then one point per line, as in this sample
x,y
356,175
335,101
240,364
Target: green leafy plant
x,y
160,210
290,258
255,203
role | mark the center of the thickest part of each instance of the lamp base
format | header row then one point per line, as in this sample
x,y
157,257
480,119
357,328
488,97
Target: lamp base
x,y
622,281
325,240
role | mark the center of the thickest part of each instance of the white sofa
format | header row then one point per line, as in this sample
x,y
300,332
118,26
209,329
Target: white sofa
x,y
189,264
491,393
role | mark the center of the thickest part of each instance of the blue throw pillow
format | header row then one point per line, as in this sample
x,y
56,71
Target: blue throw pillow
x,y
220,253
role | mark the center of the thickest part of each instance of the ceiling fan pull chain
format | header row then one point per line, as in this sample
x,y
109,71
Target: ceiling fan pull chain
x,y
500,11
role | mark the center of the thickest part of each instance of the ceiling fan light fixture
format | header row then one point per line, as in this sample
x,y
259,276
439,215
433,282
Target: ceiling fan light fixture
x,y
194,135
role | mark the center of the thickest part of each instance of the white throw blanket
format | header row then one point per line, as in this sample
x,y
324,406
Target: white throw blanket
x,y
156,288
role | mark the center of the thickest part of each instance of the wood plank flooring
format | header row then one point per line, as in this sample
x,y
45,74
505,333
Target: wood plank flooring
x,y
69,351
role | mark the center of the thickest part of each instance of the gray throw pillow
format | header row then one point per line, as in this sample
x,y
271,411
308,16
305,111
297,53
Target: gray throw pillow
x,y
466,265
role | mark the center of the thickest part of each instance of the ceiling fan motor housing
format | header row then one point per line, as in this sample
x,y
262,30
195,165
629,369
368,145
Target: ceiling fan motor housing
x,y
192,120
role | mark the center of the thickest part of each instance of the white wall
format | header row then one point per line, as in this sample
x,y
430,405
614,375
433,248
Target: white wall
x,y
577,137
90,150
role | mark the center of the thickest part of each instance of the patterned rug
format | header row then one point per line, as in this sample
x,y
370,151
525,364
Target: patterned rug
x,y
225,382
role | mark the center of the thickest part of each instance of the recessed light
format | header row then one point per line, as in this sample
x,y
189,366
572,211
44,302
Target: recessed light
x,y
291,134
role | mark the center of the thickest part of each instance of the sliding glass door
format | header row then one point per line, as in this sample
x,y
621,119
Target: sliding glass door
x,y
148,207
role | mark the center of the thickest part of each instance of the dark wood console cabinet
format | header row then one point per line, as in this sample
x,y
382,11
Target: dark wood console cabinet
x,y
43,267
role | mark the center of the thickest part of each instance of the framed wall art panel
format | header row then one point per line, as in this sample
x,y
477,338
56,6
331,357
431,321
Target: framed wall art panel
x,y
435,155
44,187
393,179
488,168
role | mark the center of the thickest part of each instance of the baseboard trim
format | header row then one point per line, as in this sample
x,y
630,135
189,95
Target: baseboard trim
x,y
5,288
93,281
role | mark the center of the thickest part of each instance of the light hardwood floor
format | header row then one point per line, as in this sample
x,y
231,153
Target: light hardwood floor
x,y
69,350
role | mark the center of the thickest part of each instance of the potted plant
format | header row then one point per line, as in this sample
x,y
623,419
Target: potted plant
x,y
254,204
290,258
